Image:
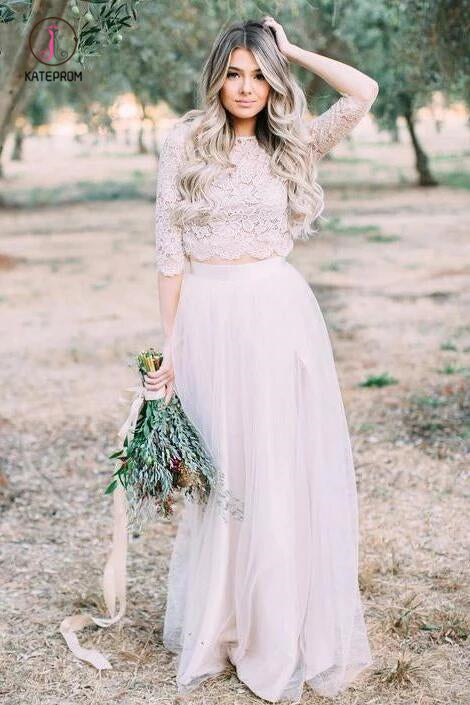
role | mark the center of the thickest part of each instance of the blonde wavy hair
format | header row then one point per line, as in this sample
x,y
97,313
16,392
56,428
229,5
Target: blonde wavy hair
x,y
280,130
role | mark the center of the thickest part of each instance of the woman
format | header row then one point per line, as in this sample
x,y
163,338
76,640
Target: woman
x,y
265,575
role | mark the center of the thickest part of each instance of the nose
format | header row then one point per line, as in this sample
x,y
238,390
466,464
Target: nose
x,y
246,85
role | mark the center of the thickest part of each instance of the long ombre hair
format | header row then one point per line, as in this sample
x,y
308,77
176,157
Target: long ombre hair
x,y
280,130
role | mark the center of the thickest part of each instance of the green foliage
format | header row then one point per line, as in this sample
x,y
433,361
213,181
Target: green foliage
x,y
382,380
439,420
455,179
433,401
448,345
103,25
383,238
7,12
162,455
452,368
336,225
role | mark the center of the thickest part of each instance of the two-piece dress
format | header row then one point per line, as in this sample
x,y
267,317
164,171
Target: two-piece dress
x,y
264,576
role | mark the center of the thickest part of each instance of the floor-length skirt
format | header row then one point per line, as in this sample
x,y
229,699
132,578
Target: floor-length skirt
x,y
265,575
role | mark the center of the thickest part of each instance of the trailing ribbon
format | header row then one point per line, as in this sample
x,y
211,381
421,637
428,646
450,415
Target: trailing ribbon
x,y
114,575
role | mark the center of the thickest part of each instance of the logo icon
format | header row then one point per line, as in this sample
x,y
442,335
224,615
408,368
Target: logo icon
x,y
57,41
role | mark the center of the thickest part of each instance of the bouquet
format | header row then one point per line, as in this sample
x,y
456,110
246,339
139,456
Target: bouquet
x,y
162,453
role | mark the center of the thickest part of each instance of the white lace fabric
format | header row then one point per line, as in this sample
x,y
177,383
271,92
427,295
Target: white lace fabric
x,y
250,214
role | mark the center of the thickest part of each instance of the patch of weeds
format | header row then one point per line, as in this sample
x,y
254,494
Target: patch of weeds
x,y
451,368
405,671
368,584
335,225
450,156
81,191
428,400
107,191
333,266
366,427
402,620
439,626
454,179
38,196
448,345
337,265
383,238
440,295
446,627
352,160
439,421
55,263
371,573
446,581
382,380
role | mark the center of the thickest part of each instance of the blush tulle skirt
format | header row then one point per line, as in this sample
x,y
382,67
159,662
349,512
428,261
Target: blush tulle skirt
x,y
265,575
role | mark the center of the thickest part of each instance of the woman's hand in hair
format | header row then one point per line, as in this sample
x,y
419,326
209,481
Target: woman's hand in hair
x,y
283,44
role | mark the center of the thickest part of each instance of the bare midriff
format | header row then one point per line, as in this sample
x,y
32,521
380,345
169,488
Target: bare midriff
x,y
244,259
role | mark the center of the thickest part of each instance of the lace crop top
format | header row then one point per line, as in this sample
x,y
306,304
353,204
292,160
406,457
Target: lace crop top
x,y
252,200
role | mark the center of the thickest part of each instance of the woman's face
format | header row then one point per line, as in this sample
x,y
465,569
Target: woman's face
x,y
244,82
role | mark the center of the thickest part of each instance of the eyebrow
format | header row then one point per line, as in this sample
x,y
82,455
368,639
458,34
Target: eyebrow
x,y
239,69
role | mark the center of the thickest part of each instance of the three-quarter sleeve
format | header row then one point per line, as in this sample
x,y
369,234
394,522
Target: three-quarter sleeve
x,y
331,126
169,253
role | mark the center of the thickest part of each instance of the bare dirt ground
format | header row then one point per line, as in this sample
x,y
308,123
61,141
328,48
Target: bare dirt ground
x,y
391,271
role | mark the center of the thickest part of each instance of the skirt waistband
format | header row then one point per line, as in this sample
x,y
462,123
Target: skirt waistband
x,y
248,270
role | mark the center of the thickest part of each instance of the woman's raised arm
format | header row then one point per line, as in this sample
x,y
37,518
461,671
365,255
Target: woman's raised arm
x,y
358,91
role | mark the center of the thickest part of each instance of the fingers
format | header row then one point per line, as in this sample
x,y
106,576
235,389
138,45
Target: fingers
x,y
169,392
158,376
155,380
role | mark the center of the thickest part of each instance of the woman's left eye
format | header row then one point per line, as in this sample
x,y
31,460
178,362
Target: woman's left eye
x,y
233,73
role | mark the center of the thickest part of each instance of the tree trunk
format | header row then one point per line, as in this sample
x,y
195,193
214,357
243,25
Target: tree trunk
x,y
154,138
422,161
17,154
142,149
15,88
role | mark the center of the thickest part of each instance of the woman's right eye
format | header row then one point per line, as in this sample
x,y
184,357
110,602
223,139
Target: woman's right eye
x,y
235,73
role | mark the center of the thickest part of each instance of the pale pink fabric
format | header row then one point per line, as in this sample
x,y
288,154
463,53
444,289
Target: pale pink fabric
x,y
266,575
250,202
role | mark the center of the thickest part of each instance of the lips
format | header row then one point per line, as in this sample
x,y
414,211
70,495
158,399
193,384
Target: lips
x,y
245,102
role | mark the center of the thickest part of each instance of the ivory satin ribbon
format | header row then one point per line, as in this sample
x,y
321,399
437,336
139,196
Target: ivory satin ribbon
x,y
114,575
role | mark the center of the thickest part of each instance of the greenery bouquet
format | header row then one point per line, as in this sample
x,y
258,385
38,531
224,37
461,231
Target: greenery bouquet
x,y
162,453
